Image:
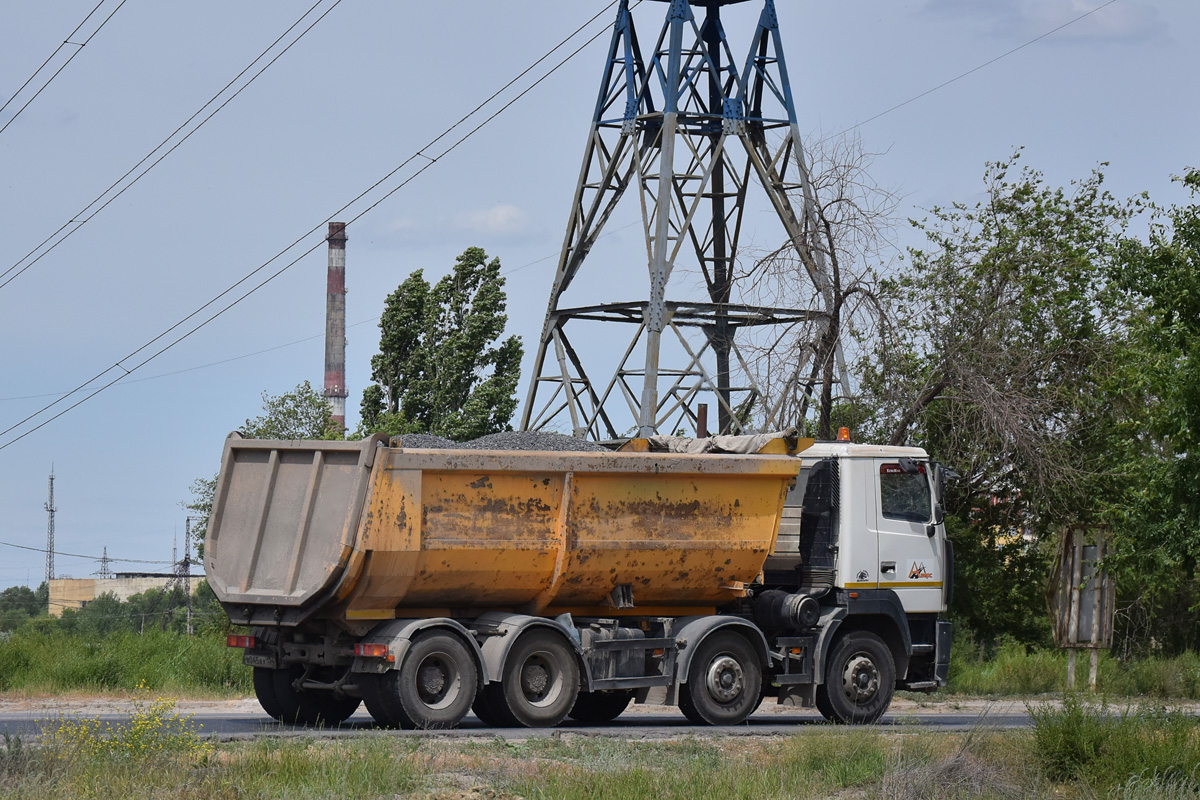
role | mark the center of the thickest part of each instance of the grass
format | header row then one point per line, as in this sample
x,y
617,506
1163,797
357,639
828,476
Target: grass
x,y
1086,742
33,661
1076,750
1015,671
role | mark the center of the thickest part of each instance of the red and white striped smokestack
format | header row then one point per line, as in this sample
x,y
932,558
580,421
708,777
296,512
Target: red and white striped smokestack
x,y
335,324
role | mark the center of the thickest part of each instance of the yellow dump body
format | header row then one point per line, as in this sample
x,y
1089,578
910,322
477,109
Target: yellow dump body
x,y
439,532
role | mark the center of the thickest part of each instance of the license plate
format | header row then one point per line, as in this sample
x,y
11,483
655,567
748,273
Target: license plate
x,y
259,660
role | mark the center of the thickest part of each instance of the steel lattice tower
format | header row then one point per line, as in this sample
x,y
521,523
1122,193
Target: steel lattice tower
x,y
690,129
51,510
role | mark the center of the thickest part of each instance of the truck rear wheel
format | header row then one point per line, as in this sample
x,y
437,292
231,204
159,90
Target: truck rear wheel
x,y
860,679
724,682
539,682
334,709
296,707
432,689
595,707
264,689
488,715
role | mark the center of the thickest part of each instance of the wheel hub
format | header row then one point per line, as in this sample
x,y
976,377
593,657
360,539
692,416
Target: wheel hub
x,y
535,680
725,679
860,679
432,681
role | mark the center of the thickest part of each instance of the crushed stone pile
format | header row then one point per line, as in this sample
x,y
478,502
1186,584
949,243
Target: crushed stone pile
x,y
507,440
426,441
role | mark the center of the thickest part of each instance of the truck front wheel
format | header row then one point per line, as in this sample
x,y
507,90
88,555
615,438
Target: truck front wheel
x,y
539,682
860,678
724,681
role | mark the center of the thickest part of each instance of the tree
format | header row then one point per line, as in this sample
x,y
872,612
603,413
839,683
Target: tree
x,y
1155,515
302,413
18,604
1000,367
849,230
439,369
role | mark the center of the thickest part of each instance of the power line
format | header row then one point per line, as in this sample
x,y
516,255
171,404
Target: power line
x,y
197,367
50,57
79,223
79,48
429,162
264,351
973,70
78,555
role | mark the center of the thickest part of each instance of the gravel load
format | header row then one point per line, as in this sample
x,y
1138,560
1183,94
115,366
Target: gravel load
x,y
533,440
506,440
426,441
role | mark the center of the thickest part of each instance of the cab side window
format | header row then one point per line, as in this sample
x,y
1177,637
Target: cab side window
x,y
904,495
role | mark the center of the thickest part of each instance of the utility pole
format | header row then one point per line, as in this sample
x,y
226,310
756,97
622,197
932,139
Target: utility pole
x,y
184,569
50,509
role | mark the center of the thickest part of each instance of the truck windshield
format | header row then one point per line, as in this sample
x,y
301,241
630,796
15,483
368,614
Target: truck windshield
x,y
904,495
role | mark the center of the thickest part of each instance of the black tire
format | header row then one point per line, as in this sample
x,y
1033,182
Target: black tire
x,y
860,679
539,681
434,686
724,681
334,709
486,711
264,689
296,707
599,707
372,692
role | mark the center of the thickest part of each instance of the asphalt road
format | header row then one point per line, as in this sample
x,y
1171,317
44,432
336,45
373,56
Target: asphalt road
x,y
655,722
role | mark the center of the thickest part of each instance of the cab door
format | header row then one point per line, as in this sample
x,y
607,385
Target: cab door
x,y
910,553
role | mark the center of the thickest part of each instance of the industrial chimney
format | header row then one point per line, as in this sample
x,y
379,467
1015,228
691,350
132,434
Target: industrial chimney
x,y
335,325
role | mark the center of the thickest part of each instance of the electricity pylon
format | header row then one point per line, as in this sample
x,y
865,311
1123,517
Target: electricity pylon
x,y
690,129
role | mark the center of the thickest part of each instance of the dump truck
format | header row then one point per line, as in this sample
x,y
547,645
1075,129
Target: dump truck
x,y
529,587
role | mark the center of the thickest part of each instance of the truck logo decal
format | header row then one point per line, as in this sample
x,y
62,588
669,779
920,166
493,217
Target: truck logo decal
x,y
863,575
918,572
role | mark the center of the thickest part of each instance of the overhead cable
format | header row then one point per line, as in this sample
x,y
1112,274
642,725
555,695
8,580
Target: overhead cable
x,y
85,215
77,555
78,49
119,367
975,69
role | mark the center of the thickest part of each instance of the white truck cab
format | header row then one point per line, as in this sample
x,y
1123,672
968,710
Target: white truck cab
x,y
862,535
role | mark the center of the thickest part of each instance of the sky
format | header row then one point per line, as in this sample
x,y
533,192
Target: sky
x,y
367,87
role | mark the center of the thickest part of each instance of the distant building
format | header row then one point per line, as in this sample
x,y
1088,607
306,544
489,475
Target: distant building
x,y
78,592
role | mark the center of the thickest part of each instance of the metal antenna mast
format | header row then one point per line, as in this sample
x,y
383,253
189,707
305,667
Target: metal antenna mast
x,y
51,510
689,129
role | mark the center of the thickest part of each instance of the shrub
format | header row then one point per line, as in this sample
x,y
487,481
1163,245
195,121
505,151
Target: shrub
x,y
1089,743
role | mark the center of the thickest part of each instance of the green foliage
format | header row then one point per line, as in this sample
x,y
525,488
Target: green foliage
x,y
999,369
1088,742
999,576
302,413
1014,669
149,733
438,369
19,604
1156,519
60,660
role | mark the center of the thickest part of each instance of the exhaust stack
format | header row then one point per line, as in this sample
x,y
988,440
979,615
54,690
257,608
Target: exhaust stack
x,y
335,325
